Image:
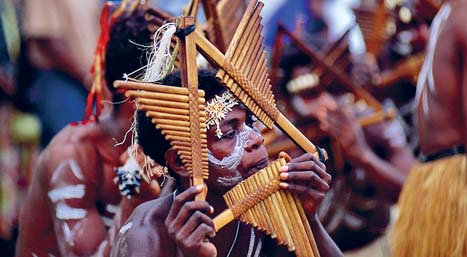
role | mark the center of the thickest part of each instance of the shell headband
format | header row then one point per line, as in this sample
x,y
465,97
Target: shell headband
x,y
217,108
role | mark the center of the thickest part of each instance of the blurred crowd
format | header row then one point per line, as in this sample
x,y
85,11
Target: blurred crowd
x,y
344,71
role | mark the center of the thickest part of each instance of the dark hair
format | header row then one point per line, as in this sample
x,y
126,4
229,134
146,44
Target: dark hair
x,y
150,139
292,57
123,56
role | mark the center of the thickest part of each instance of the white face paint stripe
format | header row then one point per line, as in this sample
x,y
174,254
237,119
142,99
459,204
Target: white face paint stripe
x,y
112,208
76,169
125,228
229,181
65,212
67,192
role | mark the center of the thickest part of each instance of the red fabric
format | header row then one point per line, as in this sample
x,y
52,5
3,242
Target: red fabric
x,y
95,95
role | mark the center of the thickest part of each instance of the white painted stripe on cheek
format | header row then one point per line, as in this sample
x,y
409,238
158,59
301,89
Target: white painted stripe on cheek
x,y
67,192
229,181
65,212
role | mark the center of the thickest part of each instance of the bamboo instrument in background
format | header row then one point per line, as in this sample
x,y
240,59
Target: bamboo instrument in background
x,y
259,201
361,94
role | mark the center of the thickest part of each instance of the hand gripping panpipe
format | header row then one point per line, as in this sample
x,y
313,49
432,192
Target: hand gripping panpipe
x,y
260,202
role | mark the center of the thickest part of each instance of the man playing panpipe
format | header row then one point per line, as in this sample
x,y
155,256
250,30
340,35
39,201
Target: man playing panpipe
x,y
433,203
72,197
176,225
376,156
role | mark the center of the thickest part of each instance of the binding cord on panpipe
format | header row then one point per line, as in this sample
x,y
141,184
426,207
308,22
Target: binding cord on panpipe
x,y
260,201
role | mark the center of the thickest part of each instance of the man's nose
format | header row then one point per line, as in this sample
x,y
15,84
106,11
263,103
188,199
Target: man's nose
x,y
255,140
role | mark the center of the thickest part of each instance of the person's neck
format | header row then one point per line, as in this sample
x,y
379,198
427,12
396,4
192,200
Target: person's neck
x,y
117,123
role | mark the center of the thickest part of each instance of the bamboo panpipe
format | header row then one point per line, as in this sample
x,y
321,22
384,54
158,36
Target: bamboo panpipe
x,y
372,21
339,76
405,69
260,201
237,75
170,110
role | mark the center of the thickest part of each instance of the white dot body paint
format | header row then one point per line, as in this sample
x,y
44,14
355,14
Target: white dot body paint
x,y
125,228
34,255
67,192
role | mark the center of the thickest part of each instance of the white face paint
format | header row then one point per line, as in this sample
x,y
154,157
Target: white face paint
x,y
65,212
125,228
229,181
67,192
232,161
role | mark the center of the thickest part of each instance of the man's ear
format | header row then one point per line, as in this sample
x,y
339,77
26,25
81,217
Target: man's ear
x,y
175,163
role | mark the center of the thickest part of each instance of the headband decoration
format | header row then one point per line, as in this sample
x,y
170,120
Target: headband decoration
x,y
217,108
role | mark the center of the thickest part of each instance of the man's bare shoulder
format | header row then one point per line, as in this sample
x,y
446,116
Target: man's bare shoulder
x,y
456,21
72,146
144,233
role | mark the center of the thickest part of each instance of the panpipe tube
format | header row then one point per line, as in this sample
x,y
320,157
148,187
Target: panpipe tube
x,y
170,122
162,103
297,223
183,139
159,109
151,87
267,212
284,233
158,96
376,117
297,136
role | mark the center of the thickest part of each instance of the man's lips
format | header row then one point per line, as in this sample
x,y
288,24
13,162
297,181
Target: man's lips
x,y
257,166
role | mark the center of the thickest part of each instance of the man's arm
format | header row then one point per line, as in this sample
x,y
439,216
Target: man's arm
x,y
458,18
389,173
73,195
